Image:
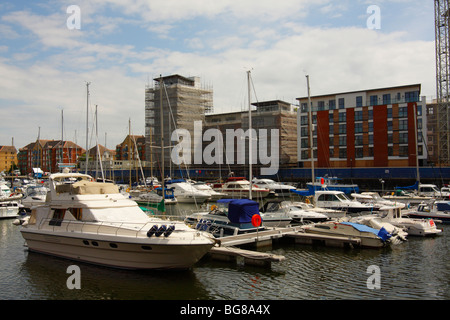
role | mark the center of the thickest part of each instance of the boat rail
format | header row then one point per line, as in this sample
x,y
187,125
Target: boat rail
x,y
124,229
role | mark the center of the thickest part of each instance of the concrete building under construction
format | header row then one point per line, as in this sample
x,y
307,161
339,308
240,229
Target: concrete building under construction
x,y
182,101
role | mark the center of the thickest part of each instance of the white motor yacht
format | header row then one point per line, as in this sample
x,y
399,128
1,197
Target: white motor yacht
x,y
92,222
278,189
34,196
186,193
439,211
7,195
203,187
406,197
9,209
337,200
239,188
374,199
290,210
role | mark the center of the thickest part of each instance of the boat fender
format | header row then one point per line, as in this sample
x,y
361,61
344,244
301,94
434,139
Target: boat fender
x,y
160,231
169,231
152,231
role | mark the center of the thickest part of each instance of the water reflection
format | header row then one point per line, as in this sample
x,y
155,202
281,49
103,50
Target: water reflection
x,y
416,269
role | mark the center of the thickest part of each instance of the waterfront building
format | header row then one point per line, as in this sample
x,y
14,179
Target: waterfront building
x,y
365,128
184,101
8,157
132,147
274,114
49,155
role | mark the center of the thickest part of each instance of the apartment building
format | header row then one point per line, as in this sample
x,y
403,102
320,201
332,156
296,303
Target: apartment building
x,y
366,128
49,155
8,157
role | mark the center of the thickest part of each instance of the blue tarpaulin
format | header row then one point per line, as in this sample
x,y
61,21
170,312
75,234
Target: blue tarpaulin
x,y
242,210
382,233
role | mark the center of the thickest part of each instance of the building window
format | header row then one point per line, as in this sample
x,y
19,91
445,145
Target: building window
x,y
373,100
390,151
403,151
403,124
305,143
359,101
412,96
342,129
359,140
342,153
389,113
387,98
342,140
359,153
332,104
342,117
331,129
358,115
321,105
341,102
390,138
403,138
402,112
358,127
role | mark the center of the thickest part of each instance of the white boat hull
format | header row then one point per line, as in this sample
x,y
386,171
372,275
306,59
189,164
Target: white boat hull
x,y
116,252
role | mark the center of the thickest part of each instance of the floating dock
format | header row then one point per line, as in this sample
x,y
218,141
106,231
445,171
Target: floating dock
x,y
227,250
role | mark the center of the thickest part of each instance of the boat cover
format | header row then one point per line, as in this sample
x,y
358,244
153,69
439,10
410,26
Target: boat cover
x,y
413,187
242,210
382,233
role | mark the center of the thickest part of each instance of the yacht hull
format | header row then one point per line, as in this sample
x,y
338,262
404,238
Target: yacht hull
x,y
117,253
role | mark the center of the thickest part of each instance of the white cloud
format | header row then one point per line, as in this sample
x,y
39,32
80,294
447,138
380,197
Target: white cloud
x,y
273,39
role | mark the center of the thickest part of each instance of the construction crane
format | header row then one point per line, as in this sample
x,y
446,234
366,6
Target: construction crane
x,y
442,25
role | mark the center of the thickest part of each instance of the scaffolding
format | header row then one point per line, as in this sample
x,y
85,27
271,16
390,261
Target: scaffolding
x,y
442,26
184,100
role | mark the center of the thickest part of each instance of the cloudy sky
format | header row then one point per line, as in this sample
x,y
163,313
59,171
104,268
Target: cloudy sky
x,y
48,53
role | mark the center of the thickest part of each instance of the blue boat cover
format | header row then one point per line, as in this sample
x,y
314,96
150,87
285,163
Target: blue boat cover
x,y
242,210
443,205
413,187
382,233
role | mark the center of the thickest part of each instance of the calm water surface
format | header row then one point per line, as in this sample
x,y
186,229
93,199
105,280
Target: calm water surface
x,y
415,270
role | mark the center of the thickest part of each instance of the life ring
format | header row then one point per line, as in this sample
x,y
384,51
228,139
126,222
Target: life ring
x,y
256,220
307,201
213,207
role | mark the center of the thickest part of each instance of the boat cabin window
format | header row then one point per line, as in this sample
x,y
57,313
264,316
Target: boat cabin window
x,y
328,197
77,213
58,216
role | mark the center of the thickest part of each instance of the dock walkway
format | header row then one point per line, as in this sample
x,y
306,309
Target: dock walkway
x,y
226,250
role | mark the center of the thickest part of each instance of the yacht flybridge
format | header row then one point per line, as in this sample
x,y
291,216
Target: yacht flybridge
x,y
92,222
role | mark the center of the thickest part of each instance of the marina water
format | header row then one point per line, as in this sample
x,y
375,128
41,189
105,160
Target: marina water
x,y
415,270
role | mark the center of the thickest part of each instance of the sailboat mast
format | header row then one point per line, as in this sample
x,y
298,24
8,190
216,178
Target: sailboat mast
x,y
87,125
250,141
62,136
417,147
162,134
311,146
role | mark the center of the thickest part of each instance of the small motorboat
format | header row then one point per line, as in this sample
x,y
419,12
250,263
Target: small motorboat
x,y
368,237
439,211
228,217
